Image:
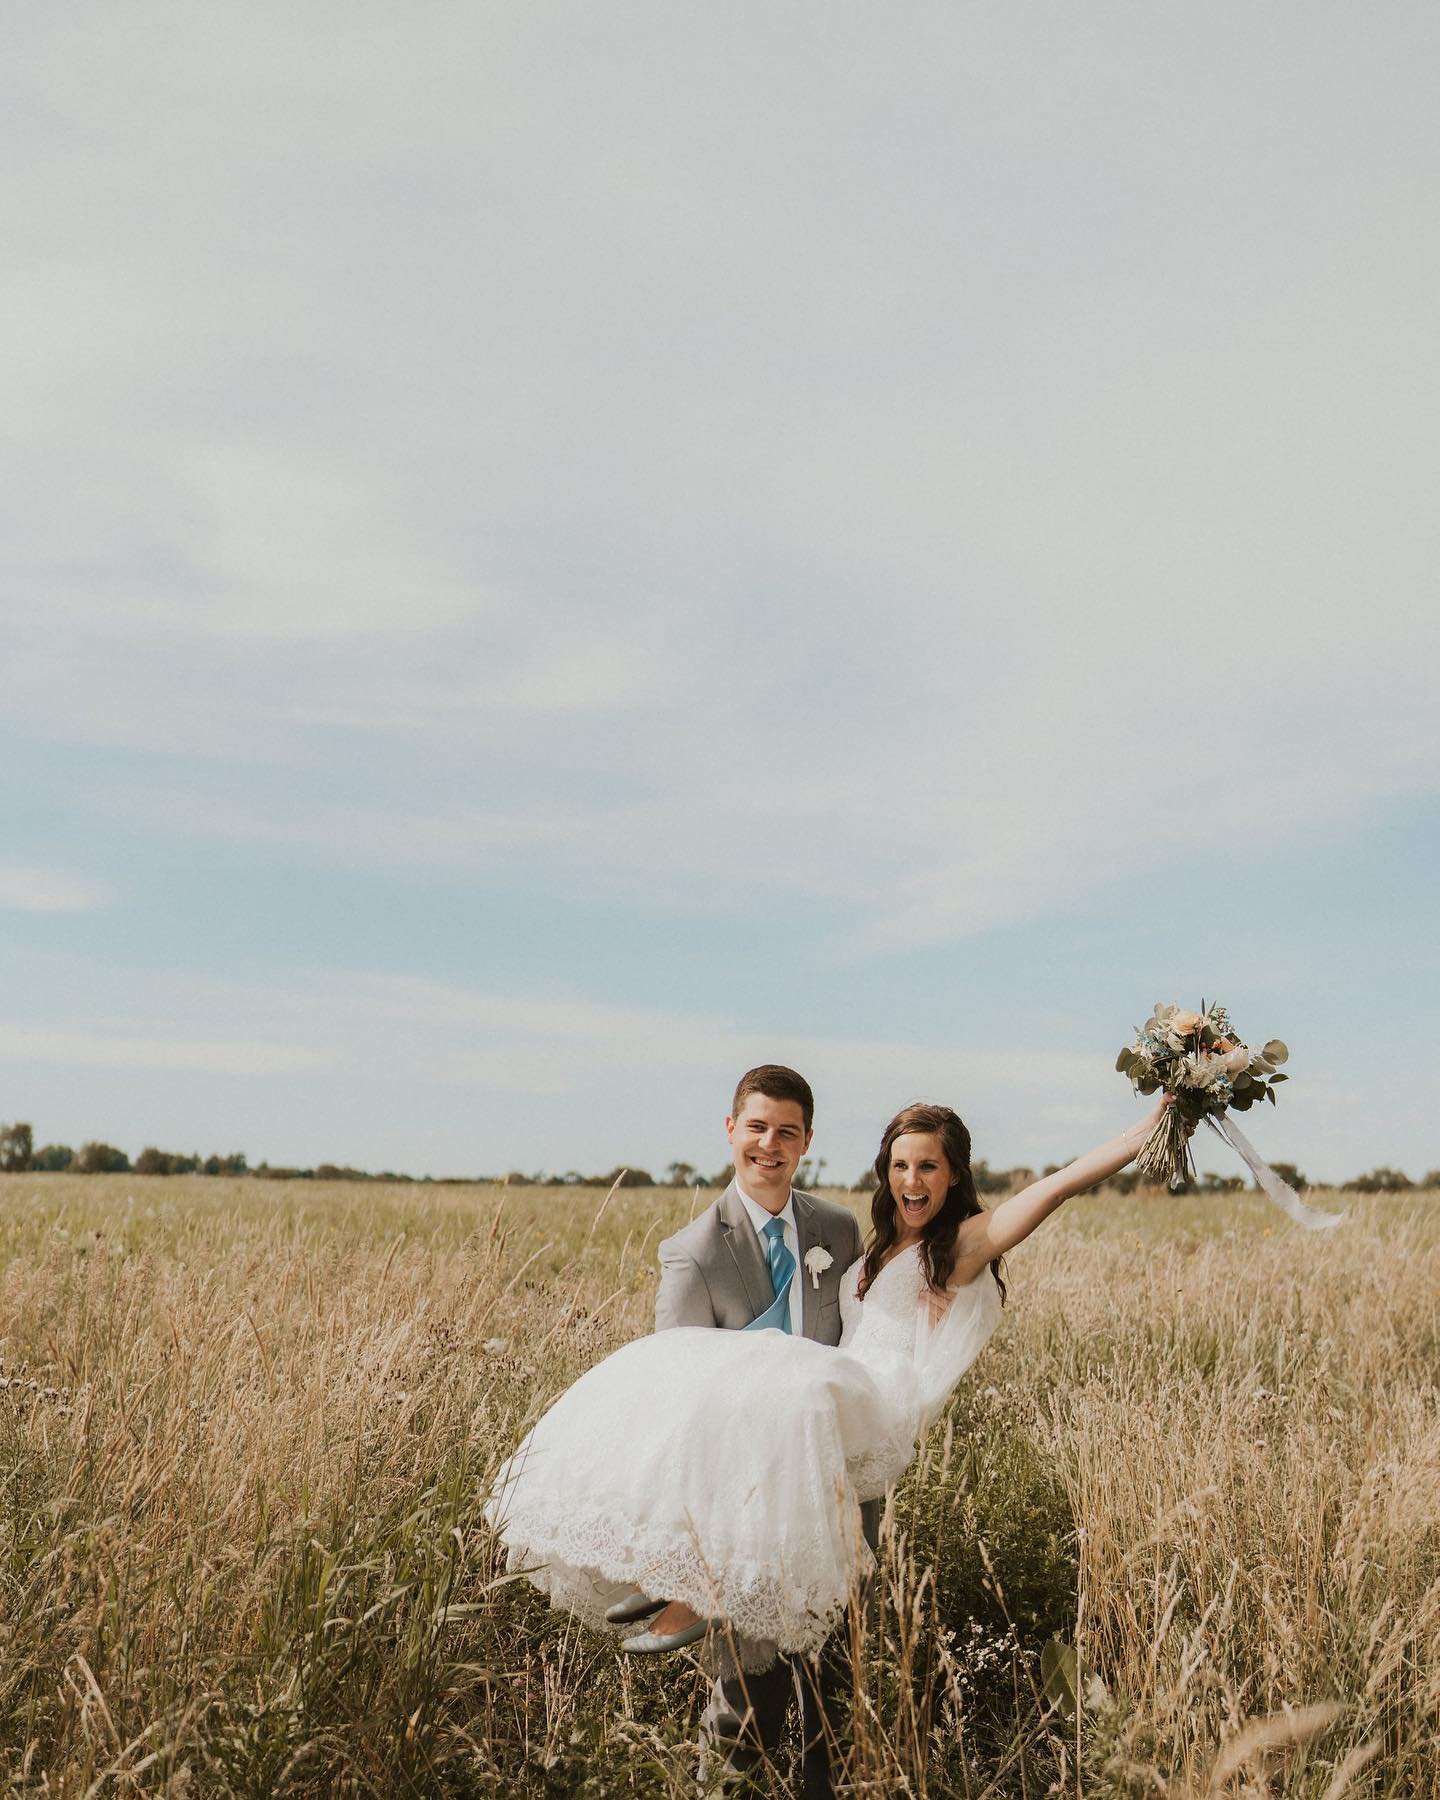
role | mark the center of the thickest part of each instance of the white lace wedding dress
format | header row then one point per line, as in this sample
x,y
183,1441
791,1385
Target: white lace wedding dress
x,y
725,1468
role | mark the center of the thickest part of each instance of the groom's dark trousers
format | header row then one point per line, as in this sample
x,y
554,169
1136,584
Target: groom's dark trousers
x,y
714,1273
745,1719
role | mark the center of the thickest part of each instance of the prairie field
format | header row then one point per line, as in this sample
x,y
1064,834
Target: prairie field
x,y
246,1430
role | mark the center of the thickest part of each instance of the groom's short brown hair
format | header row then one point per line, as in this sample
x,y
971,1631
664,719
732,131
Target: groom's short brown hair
x,y
776,1082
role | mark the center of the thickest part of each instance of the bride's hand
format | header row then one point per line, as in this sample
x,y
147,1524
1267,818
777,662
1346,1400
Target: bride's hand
x,y
1162,1106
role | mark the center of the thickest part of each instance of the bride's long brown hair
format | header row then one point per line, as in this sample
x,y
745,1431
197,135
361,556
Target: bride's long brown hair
x,y
937,1238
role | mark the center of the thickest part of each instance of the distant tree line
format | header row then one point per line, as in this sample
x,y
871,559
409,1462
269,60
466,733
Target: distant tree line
x,y
18,1154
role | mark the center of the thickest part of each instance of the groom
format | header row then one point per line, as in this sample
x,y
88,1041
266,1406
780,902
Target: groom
x,y
732,1269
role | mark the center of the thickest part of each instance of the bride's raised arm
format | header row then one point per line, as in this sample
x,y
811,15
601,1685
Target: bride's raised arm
x,y
987,1235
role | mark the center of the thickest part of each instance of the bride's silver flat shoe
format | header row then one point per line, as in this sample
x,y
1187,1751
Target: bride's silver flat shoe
x,y
656,1643
632,1608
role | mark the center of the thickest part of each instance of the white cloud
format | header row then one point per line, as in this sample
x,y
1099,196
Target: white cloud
x,y
50,891
902,529
167,1052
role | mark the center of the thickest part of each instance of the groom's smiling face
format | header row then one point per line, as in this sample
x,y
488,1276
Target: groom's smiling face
x,y
767,1140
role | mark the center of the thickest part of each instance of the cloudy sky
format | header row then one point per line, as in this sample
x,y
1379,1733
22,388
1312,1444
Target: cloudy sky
x,y
548,554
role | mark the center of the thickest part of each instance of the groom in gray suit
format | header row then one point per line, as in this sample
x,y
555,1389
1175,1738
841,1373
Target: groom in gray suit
x,y
728,1269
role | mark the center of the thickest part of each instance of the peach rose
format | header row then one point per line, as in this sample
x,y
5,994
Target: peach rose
x,y
1184,1022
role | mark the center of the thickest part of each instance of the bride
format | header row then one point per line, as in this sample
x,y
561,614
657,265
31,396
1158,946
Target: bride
x,y
724,1469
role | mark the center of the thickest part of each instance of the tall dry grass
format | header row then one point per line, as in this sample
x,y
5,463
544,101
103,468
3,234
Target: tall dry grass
x,y
246,1431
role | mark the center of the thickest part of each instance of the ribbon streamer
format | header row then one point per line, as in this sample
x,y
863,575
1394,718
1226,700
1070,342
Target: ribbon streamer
x,y
1279,1191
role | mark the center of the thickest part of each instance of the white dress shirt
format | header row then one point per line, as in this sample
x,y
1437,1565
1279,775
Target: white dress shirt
x,y
759,1218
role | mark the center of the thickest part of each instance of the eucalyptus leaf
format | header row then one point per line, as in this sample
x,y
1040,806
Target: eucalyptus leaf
x,y
1147,1084
1270,1095
1124,1060
1242,1102
1275,1078
1275,1051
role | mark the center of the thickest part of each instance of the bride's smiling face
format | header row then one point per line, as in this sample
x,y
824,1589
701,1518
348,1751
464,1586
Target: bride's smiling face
x,y
920,1178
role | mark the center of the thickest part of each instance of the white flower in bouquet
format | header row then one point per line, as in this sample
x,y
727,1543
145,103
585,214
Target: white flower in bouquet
x,y
1201,1071
1187,1072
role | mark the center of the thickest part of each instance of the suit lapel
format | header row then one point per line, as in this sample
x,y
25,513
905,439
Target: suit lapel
x,y
808,1233
744,1246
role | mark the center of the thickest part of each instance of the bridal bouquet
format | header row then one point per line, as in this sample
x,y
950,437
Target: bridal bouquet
x,y
1199,1058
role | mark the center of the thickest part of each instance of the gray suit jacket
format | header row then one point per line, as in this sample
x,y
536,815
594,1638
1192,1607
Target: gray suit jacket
x,y
714,1272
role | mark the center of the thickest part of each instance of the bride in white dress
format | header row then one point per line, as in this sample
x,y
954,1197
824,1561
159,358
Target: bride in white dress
x,y
724,1469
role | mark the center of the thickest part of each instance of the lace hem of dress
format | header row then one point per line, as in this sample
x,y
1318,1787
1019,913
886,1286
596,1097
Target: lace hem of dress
x,y
770,1612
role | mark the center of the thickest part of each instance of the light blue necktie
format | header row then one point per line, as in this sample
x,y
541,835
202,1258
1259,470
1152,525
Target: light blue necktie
x,y
776,1317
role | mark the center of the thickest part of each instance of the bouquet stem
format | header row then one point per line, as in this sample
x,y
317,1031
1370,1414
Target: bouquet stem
x,y
1165,1154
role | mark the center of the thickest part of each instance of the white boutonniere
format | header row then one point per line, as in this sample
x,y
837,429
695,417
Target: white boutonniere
x,y
817,1260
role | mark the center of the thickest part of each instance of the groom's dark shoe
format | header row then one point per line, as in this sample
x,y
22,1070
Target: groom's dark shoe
x,y
747,1767
632,1609
731,1756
